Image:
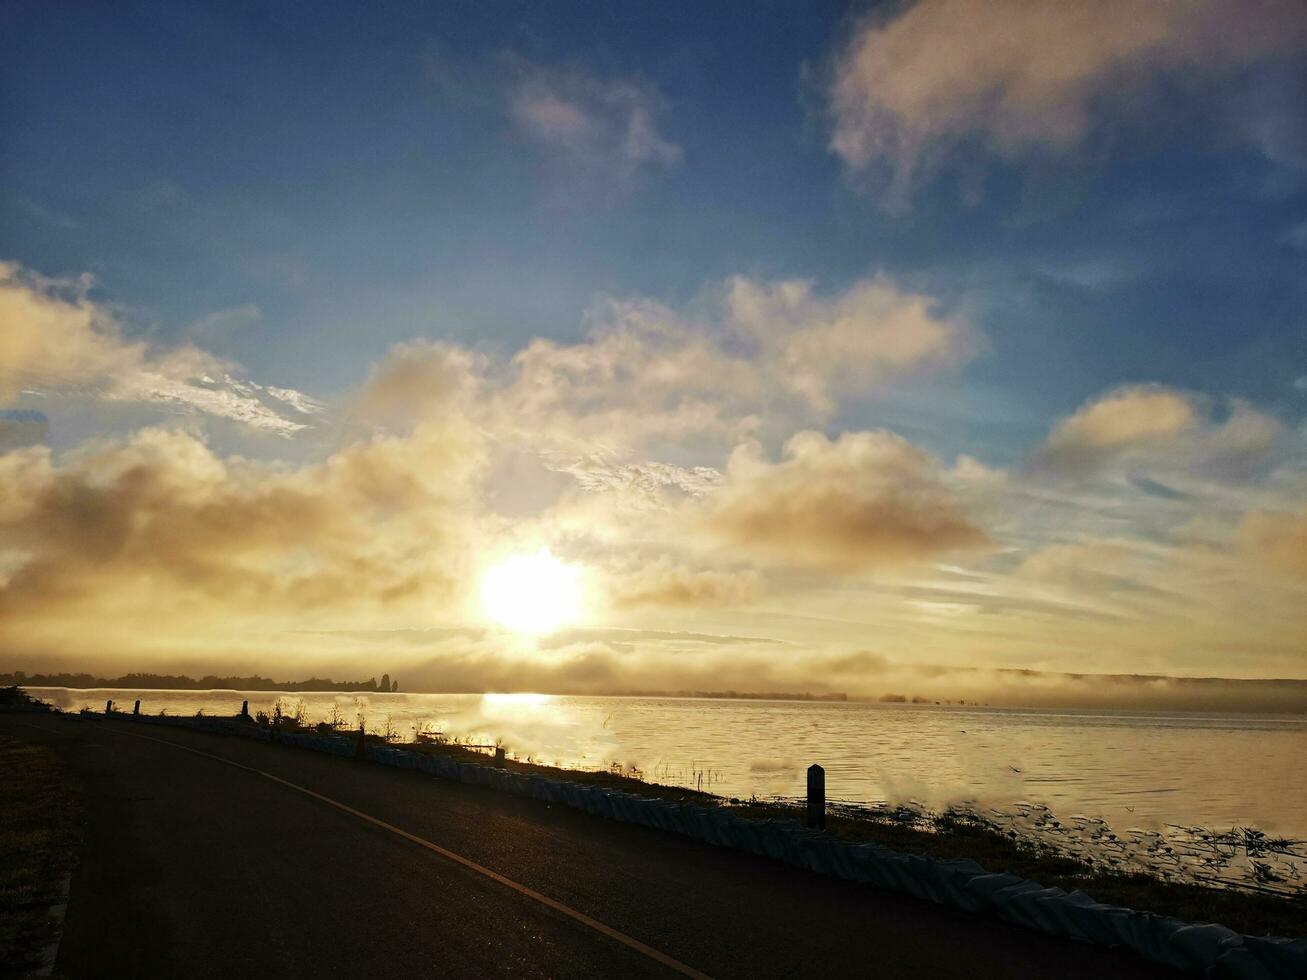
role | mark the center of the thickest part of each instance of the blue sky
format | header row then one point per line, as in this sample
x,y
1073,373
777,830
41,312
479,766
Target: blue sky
x,y
356,177
298,188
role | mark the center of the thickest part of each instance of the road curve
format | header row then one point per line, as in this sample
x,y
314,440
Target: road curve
x,y
199,868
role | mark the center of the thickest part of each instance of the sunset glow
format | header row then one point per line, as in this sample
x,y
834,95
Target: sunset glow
x,y
974,383
532,593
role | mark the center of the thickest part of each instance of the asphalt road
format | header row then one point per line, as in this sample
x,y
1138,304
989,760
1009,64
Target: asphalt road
x,y
195,868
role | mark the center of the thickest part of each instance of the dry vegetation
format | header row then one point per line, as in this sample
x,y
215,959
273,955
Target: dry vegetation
x,y
38,821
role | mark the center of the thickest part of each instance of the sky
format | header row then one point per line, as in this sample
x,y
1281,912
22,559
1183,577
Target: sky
x,y
614,347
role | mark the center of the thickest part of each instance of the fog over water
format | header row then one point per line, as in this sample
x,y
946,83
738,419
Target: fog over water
x,y
1135,769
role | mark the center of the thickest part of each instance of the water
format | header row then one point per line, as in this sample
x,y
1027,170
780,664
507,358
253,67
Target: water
x,y
1134,769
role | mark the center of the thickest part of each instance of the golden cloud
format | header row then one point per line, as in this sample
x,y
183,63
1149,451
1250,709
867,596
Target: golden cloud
x,y
867,499
416,382
157,533
1022,74
1159,425
664,582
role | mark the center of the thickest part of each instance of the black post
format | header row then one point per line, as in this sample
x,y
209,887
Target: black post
x,y
499,757
108,706
136,708
816,797
360,750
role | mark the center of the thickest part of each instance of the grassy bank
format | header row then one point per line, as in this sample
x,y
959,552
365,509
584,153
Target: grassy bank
x,y
38,833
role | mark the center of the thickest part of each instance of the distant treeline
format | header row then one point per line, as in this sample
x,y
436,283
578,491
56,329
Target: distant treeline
x,y
174,682
742,695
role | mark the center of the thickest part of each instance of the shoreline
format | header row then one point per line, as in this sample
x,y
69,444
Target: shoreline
x,y
1162,936
950,835
953,834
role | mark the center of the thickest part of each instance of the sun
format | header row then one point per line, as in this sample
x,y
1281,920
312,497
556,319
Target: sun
x,y
532,593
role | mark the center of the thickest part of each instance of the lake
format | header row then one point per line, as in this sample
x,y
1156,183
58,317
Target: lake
x,y
1140,769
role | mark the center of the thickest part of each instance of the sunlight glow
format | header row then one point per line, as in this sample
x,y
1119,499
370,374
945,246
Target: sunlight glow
x,y
533,593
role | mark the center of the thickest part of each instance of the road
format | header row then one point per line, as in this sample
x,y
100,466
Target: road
x,y
192,867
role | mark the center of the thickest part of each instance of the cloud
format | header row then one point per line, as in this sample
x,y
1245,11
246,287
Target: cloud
x,y
159,528
665,582
1123,420
823,349
647,378
911,89
590,126
865,500
415,382
1094,568
1159,426
1277,538
645,484
761,350
54,338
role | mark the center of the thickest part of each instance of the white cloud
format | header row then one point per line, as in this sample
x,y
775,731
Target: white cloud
x,y
645,482
822,349
765,351
53,337
1023,75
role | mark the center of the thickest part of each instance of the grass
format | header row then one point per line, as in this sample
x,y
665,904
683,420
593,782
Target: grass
x,y
37,837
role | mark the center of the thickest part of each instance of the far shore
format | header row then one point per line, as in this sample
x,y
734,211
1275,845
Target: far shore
x,y
1014,689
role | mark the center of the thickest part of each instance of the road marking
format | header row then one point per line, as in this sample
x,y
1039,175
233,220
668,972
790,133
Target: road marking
x,y
599,927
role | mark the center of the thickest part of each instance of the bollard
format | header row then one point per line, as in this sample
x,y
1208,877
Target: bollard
x,y
245,709
499,757
136,708
108,706
816,797
360,750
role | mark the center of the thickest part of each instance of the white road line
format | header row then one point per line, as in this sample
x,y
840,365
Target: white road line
x,y
599,927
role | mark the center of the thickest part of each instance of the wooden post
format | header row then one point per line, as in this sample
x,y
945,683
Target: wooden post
x,y
499,757
136,708
360,750
816,797
108,706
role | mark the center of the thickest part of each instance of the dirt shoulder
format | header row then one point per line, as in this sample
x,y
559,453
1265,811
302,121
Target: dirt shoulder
x,y
39,823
